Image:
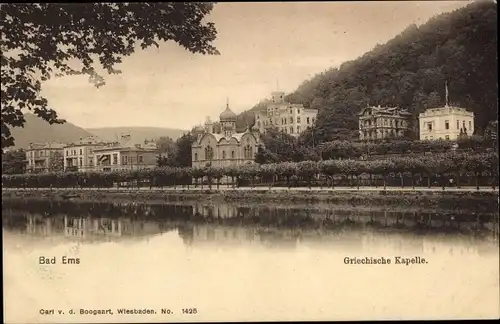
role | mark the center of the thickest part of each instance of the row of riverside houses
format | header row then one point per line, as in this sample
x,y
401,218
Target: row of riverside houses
x,y
91,154
447,123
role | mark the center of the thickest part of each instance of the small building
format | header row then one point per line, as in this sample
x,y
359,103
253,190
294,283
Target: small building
x,y
44,157
225,148
377,123
292,119
79,156
125,156
446,123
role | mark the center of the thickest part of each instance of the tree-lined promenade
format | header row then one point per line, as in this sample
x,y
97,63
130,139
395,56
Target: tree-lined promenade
x,y
440,170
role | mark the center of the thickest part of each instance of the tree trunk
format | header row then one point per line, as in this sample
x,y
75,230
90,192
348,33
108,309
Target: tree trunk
x,y
478,175
402,179
218,182
443,181
458,179
371,179
385,182
413,181
429,181
358,180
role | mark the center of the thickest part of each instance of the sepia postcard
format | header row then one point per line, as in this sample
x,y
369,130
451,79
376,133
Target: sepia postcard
x,y
249,161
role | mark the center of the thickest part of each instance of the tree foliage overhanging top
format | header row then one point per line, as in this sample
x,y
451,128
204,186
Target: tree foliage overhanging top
x,y
40,40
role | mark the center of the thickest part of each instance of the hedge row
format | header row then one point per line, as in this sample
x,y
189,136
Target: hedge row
x,y
349,149
436,165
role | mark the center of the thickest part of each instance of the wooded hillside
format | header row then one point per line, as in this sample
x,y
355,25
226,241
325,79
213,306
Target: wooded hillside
x,y
410,71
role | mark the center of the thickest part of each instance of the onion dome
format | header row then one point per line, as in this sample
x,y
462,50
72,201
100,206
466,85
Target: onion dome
x,y
199,129
227,115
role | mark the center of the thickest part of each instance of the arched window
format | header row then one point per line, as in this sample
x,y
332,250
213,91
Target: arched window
x,y
232,154
196,156
209,153
248,152
224,154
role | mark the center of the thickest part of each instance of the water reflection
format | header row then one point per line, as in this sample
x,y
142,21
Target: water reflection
x,y
243,262
232,225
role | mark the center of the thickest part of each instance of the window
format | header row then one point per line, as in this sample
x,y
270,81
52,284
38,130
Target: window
x,y
209,153
115,158
286,130
298,111
431,137
446,124
291,120
458,124
140,159
429,127
426,138
470,125
307,119
291,111
298,129
291,130
248,152
447,137
232,154
67,153
223,154
196,156
81,162
298,120
81,151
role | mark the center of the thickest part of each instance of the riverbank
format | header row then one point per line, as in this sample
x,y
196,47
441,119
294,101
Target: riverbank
x,y
451,198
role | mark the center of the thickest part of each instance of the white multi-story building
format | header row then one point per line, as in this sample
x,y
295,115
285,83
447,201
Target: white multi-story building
x,y
292,119
79,156
43,157
446,122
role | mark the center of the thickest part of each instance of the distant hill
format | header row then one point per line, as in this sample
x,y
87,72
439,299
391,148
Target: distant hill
x,y
137,134
37,130
410,71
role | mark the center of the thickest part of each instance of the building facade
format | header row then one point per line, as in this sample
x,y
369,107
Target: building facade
x,y
446,123
44,157
377,123
292,119
125,156
225,148
79,156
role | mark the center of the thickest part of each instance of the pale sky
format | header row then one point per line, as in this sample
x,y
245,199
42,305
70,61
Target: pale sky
x,y
260,43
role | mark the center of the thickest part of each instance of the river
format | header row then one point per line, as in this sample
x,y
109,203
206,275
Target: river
x,y
239,262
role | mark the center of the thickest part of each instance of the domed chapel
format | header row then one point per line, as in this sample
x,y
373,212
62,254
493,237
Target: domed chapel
x,y
225,148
